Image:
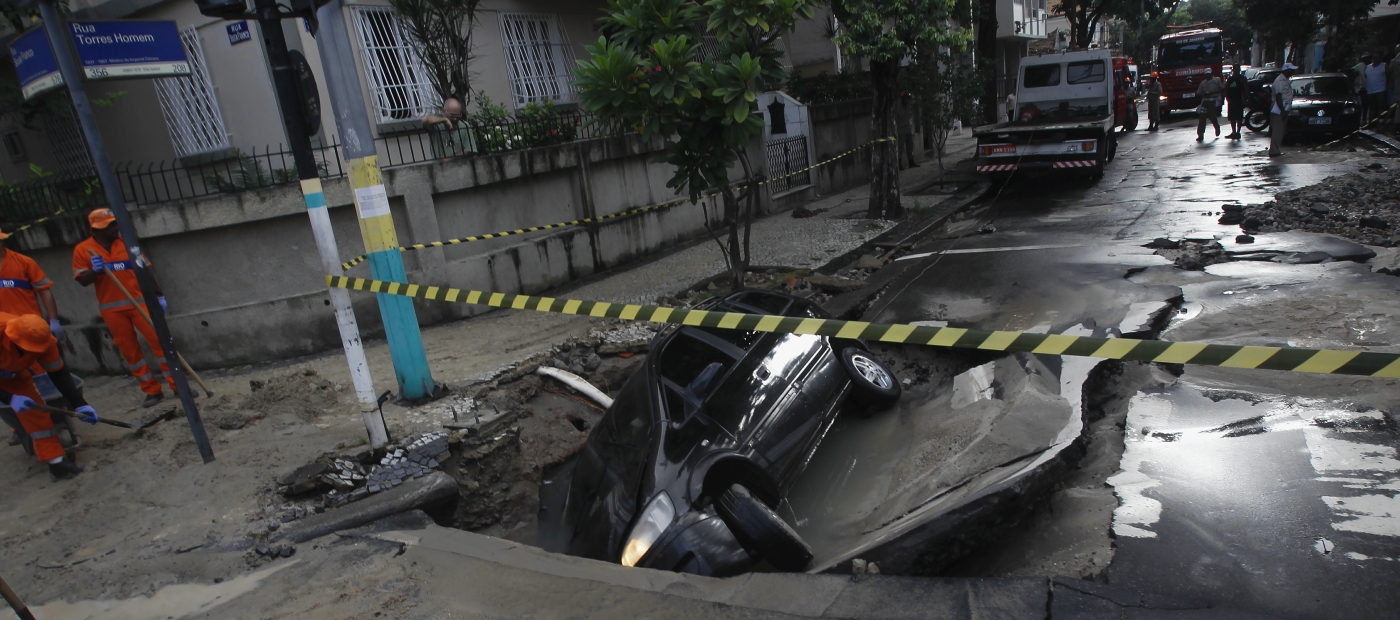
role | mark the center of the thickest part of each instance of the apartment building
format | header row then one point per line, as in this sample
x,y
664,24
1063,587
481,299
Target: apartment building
x,y
524,52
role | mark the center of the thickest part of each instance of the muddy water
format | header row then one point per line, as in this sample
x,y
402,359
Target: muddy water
x,y
171,602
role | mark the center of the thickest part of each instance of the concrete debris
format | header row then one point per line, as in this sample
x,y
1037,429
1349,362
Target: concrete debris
x,y
870,262
1362,206
1195,255
430,490
835,284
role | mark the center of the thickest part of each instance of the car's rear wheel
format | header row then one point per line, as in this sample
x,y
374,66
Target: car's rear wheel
x,y
761,530
875,385
1256,121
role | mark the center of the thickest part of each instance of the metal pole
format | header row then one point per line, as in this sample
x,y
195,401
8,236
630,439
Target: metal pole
x,y
372,203
62,42
284,80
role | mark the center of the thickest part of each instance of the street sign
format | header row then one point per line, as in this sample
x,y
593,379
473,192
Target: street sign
x,y
129,49
35,63
238,32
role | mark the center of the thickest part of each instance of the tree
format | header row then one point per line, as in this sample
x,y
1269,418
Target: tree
x,y
1084,16
443,30
690,73
886,32
944,89
1280,22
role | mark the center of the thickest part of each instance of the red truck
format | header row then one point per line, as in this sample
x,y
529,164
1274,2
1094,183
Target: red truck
x,y
1183,58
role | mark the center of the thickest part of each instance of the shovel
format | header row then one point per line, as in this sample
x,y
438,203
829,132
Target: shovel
x,y
74,414
207,392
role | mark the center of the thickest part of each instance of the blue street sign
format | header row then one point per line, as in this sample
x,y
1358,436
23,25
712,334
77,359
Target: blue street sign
x,y
238,32
129,49
35,63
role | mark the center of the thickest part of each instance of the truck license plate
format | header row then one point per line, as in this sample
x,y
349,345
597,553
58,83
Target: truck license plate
x,y
1319,121
1189,96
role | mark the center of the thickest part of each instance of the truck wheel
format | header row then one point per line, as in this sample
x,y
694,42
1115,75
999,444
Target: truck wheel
x,y
761,530
1101,159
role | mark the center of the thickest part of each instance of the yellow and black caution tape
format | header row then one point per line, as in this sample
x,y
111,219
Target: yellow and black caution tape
x,y
602,218
1375,120
1229,356
38,221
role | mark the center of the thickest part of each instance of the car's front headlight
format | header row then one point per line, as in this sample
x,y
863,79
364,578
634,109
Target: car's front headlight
x,y
657,516
1349,110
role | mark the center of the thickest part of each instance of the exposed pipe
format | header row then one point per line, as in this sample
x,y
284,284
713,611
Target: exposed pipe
x,y
578,383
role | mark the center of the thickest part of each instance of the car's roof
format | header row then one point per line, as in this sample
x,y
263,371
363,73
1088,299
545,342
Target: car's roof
x,y
1318,75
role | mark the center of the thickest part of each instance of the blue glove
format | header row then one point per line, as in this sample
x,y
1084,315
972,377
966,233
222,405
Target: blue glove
x,y
89,414
164,307
98,264
5,374
21,404
56,328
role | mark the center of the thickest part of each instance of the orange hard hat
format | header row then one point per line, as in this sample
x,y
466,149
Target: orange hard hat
x,y
101,218
30,332
1154,74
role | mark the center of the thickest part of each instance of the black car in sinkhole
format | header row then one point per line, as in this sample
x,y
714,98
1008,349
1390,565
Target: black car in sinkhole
x,y
686,470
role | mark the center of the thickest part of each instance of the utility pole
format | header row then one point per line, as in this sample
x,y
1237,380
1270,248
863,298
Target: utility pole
x,y
372,204
284,80
62,42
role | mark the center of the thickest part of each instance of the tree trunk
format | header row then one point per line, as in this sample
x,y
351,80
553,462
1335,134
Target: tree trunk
x,y
733,219
987,57
884,156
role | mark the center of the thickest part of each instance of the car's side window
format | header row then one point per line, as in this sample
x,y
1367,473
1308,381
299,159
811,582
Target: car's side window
x,y
686,357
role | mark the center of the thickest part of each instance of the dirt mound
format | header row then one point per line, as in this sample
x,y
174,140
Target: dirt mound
x,y
304,394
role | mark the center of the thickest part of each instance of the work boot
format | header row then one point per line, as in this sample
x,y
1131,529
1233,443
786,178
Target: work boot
x,y
64,469
151,400
14,439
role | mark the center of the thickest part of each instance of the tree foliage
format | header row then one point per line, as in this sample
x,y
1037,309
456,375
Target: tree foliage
x,y
443,30
885,32
944,88
1084,16
690,73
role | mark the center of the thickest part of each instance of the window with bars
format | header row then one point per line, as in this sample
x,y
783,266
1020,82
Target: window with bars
x,y
188,103
69,146
397,79
538,57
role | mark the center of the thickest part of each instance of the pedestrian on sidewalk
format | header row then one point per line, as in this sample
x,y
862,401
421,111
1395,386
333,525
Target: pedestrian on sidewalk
x,y
121,317
1283,102
1154,102
1236,93
1375,88
26,341
24,289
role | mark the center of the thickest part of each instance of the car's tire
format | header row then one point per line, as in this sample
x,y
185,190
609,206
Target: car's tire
x,y
761,530
874,384
1256,120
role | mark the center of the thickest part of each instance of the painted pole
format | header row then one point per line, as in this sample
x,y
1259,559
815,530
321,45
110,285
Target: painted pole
x,y
372,203
284,79
62,42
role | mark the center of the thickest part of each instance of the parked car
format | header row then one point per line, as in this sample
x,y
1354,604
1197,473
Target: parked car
x,y
1323,104
688,467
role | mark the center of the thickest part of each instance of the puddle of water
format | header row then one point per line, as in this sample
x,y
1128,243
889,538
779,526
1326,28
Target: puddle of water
x,y
171,602
1136,511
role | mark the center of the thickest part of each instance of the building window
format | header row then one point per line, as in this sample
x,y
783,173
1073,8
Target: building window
x,y
191,110
397,79
538,58
14,146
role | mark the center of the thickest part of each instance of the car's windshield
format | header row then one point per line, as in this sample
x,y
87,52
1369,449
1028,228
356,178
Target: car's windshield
x,y
1330,86
1183,54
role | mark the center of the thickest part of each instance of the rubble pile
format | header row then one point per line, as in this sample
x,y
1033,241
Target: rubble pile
x,y
415,460
1362,206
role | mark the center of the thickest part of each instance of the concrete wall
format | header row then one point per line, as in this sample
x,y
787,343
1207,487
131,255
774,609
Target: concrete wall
x,y
837,128
244,282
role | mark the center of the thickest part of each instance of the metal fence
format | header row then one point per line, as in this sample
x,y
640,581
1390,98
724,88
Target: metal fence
x,y
785,157
167,181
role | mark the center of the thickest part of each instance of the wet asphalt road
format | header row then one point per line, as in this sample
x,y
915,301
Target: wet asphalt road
x,y
1259,491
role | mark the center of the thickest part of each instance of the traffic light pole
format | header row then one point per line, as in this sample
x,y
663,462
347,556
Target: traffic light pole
x,y
62,42
284,79
415,379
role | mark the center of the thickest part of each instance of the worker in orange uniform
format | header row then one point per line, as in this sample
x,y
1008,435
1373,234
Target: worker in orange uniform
x,y
25,340
122,318
24,289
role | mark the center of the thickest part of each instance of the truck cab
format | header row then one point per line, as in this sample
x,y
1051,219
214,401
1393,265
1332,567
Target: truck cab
x,y
1067,106
1184,59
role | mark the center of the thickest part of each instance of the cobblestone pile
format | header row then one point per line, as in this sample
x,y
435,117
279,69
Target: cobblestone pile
x,y
1363,206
